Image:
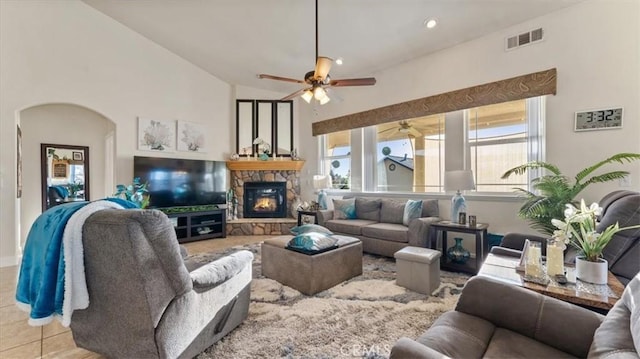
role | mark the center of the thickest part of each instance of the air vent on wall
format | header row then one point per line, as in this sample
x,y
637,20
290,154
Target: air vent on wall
x,y
523,39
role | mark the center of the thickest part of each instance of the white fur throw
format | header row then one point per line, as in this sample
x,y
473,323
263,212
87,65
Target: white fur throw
x,y
76,295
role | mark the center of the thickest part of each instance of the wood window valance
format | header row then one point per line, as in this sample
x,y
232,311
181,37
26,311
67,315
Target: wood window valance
x,y
516,88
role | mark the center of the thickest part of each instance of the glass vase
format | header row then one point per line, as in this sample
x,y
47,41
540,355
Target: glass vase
x,y
457,253
555,257
533,261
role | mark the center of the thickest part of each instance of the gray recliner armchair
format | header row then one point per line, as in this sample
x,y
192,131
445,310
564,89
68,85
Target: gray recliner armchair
x,y
622,253
144,302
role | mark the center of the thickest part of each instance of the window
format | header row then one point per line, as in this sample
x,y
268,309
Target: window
x,y
410,155
497,142
337,158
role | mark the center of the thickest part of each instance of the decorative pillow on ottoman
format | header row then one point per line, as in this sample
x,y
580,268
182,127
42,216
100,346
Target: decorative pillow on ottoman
x,y
306,228
312,243
344,208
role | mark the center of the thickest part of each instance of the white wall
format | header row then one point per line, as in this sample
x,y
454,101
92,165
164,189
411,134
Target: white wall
x,y
595,47
67,52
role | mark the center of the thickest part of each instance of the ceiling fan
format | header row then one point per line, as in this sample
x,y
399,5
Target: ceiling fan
x,y
318,80
404,127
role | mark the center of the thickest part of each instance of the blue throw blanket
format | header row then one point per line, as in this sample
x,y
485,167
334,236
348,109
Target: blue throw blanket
x,y
41,281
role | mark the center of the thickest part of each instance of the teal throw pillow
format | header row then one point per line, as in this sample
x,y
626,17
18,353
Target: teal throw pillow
x,y
344,208
412,210
312,241
305,228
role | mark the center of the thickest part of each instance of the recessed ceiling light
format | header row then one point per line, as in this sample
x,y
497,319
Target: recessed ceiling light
x,y
339,61
430,23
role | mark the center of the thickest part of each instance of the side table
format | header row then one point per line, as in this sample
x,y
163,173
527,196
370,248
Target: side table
x,y
482,244
307,213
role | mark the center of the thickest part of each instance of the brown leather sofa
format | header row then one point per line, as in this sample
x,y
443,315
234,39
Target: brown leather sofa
x,y
622,253
498,320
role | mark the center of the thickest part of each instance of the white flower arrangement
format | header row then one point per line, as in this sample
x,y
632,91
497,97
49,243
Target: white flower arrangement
x,y
266,148
579,230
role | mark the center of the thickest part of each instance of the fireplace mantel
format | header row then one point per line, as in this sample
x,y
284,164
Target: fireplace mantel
x,y
269,165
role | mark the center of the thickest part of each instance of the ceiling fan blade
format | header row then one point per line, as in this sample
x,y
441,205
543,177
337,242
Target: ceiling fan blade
x,y
415,132
293,95
367,81
387,130
271,77
323,65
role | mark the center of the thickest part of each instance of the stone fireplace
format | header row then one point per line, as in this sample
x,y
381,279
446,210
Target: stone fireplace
x,y
265,200
285,173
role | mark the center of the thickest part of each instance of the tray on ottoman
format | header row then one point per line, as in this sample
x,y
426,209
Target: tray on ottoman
x,y
311,274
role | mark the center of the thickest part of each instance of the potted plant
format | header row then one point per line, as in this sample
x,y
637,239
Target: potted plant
x,y
136,192
553,191
579,230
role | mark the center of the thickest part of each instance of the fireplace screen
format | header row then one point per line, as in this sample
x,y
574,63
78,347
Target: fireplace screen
x,y
265,200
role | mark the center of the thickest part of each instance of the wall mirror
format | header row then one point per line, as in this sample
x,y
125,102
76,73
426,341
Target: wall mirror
x,y
264,120
65,174
284,129
270,120
245,127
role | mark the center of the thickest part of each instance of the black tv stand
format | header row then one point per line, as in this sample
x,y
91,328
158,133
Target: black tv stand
x,y
195,225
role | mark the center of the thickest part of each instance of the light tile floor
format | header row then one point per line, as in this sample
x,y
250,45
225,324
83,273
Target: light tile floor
x,y
20,340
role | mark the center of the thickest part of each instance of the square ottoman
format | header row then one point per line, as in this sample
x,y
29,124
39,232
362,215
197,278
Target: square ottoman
x,y
418,269
310,274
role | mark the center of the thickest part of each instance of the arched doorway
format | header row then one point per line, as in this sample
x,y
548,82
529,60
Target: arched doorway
x,y
67,124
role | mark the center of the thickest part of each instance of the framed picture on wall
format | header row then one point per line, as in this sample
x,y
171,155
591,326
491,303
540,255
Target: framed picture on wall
x,y
60,169
156,135
77,156
191,137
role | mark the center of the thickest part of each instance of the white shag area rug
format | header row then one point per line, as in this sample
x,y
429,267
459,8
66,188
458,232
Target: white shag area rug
x,y
362,317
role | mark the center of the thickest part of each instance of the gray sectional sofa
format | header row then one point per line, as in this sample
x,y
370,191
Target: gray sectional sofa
x,y
493,319
379,224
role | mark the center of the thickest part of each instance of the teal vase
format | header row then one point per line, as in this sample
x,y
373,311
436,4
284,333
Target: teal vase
x,y
457,253
264,156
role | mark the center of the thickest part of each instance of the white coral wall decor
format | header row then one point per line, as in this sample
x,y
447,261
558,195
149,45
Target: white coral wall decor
x,y
191,137
156,135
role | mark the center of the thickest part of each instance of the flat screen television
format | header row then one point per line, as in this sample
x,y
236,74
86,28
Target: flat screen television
x,y
174,182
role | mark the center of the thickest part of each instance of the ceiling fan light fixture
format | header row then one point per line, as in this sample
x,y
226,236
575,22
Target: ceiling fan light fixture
x,y
307,96
325,100
323,65
319,77
319,93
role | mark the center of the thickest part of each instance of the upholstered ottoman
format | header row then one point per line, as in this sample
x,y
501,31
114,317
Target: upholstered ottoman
x,y
311,274
418,269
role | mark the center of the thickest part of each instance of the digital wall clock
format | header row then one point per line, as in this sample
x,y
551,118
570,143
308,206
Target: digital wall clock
x,y
603,119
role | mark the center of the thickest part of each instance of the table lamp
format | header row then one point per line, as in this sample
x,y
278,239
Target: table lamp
x,y
320,183
458,180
